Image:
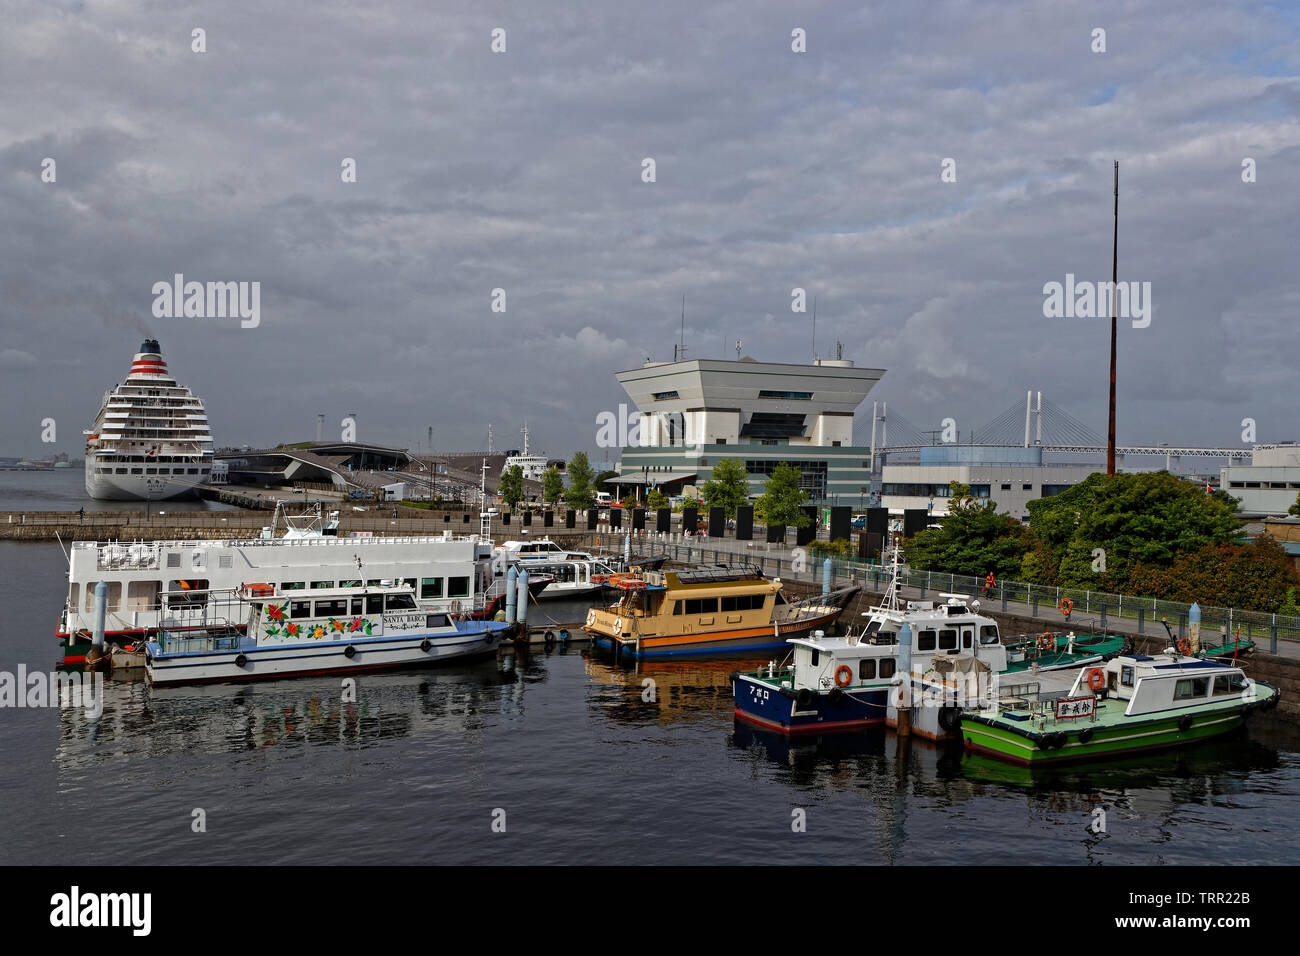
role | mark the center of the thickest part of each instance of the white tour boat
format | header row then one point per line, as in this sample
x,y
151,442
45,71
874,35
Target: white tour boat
x,y
329,631
574,573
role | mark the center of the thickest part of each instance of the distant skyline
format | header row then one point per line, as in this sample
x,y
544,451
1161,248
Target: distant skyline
x,y
924,174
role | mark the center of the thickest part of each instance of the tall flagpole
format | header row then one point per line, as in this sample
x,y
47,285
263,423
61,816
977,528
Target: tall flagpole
x,y
1114,286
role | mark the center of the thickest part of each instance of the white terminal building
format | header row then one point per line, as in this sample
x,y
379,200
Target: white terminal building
x,y
1010,475
1269,485
694,413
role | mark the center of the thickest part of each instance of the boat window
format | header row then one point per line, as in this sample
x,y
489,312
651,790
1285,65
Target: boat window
x,y
728,604
677,607
816,658
886,667
988,634
925,640
430,588
399,602
374,583
435,620
358,605
1126,676
73,595
350,584
374,604
458,587
335,608
947,639
967,636
411,583
293,585
321,585
1229,684
1191,688
866,669
141,595
300,608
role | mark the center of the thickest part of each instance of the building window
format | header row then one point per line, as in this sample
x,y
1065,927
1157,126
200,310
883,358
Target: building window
x,y
1006,486
786,396
665,396
1027,486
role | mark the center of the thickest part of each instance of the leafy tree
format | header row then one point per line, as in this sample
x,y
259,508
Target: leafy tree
x,y
973,538
1288,606
959,494
581,494
656,499
1295,508
511,488
782,498
552,485
685,503
729,486
1135,519
602,481
629,501
1255,577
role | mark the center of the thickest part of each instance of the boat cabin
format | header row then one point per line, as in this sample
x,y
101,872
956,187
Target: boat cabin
x,y
817,661
688,602
939,629
1166,682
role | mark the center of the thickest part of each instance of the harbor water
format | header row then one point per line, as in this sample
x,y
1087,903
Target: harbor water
x,y
560,756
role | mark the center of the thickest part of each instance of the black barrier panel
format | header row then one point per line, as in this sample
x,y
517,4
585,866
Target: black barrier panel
x,y
464,519
745,523
664,519
878,520
528,518
870,544
914,520
593,516
841,524
638,519
505,518
717,522
775,533
807,535
690,520
616,517
548,519
570,518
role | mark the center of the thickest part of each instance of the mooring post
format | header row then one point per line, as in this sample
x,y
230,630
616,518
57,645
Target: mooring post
x,y
511,597
904,723
523,601
101,611
1272,637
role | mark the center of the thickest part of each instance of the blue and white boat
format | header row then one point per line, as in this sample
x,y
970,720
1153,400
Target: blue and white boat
x,y
264,635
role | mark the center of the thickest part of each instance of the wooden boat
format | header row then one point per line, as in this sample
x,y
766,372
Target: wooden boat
x,y
1130,704
711,610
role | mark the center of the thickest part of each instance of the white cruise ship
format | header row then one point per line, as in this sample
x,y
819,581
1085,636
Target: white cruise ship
x,y
151,438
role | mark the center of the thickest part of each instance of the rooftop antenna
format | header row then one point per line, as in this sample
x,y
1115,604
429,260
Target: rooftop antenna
x,y
814,329
1114,279
489,438
737,350
681,348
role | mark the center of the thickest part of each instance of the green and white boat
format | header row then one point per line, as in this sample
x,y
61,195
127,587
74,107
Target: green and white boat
x,y
1130,704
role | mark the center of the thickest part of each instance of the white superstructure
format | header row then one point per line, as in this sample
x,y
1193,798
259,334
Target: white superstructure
x,y
151,438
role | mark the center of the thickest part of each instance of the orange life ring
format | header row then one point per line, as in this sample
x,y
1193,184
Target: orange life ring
x,y
1066,606
843,676
1046,641
1096,678
1184,646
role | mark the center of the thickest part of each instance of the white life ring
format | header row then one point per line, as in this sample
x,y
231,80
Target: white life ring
x,y
618,625
591,618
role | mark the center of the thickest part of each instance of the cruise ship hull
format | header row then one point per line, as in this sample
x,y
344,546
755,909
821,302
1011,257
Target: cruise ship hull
x,y
139,487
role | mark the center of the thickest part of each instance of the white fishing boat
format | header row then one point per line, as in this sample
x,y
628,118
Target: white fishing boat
x,y
573,573
329,631
447,573
151,439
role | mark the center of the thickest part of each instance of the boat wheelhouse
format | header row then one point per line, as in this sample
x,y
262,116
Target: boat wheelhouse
x,y
331,631
151,439
709,610
1130,704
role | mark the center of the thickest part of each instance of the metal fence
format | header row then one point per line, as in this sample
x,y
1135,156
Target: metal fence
x,y
1103,606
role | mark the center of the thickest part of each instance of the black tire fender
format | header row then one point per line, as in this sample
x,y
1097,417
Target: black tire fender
x,y
950,717
836,696
425,645
349,652
1085,736
1185,723
804,697
241,661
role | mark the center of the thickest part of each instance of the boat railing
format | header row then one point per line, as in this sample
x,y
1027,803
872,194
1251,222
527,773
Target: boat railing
x,y
1020,696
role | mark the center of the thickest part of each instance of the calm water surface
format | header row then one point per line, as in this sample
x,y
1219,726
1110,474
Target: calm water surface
x,y
64,489
583,768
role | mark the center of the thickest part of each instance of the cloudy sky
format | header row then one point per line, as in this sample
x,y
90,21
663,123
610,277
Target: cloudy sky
x,y
523,170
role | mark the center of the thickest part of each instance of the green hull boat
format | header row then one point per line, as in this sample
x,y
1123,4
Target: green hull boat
x,y
1134,703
